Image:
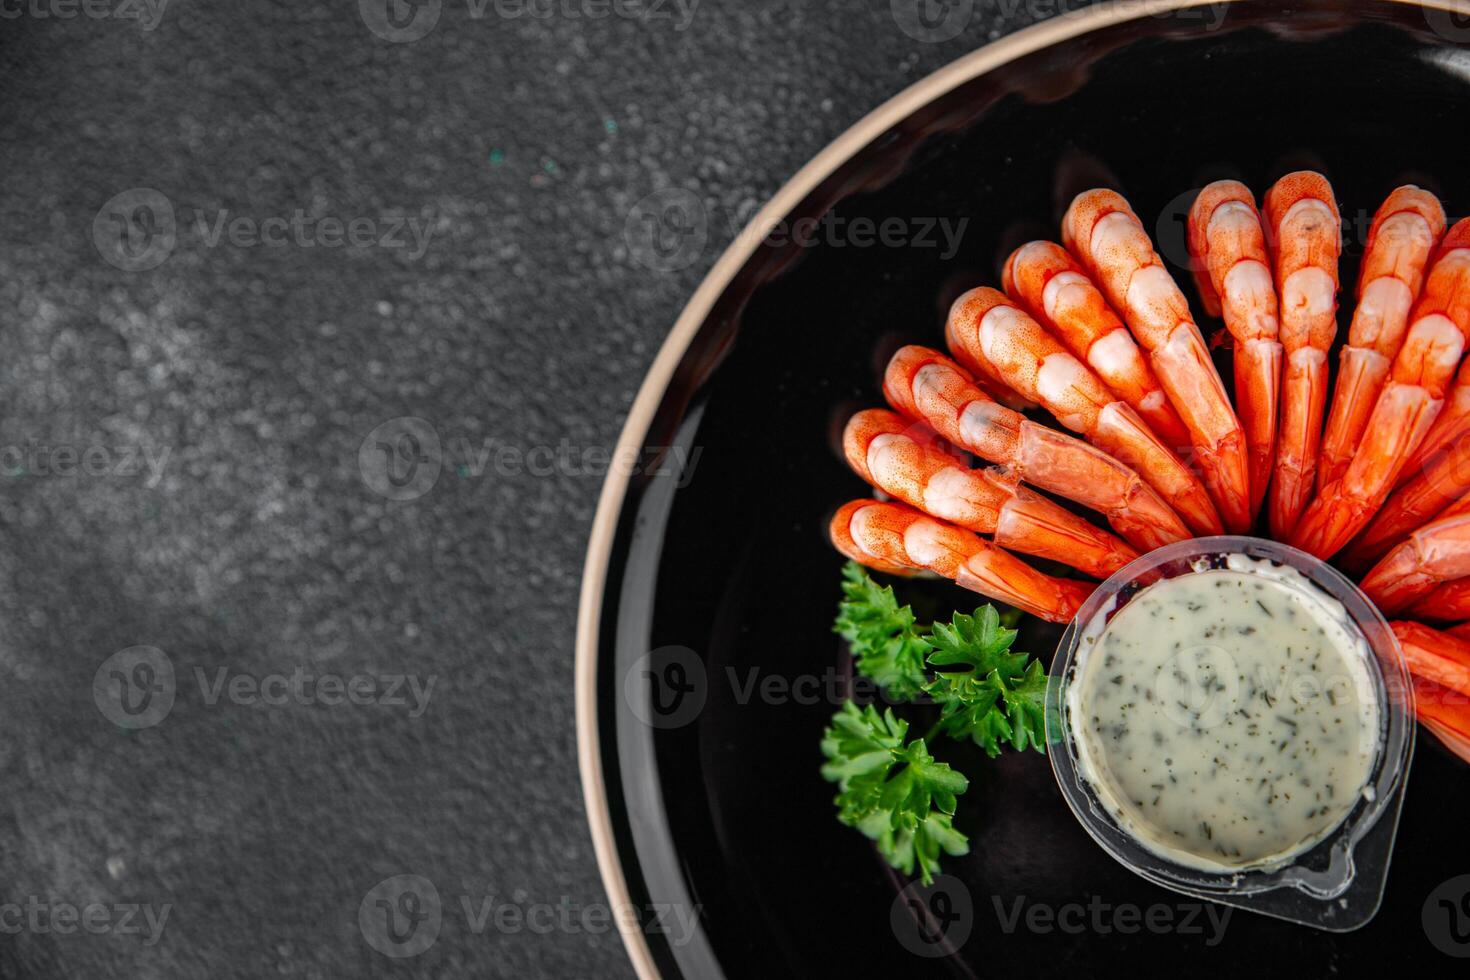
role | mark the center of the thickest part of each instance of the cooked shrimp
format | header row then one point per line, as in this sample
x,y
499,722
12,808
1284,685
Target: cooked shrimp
x,y
1305,233
1044,280
1436,553
1102,231
1445,714
926,386
1406,407
1400,242
909,461
985,327
885,535
1233,273
1440,665
1444,483
1449,602
1449,428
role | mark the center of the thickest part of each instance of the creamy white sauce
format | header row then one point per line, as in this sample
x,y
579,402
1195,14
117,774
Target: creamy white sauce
x,y
1226,718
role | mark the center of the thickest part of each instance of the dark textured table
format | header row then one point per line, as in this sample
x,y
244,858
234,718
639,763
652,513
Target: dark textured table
x,y
319,320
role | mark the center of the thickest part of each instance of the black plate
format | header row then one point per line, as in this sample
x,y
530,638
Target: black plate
x,y
718,804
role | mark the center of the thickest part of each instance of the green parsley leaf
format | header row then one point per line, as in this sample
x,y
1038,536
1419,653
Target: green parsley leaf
x,y
888,645
894,791
1000,697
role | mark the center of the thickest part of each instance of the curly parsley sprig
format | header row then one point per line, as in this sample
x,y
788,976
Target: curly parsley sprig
x,y
892,789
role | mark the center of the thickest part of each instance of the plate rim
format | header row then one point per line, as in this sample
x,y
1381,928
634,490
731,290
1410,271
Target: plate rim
x,y
651,391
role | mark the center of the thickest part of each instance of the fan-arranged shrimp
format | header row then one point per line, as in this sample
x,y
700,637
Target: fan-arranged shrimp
x,y
1102,231
888,535
1043,279
1442,484
985,327
926,386
1403,235
1406,407
1449,428
1305,233
907,460
1438,552
1233,272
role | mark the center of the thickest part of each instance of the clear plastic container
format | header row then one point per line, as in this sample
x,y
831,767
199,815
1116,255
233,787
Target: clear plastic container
x,y
1337,883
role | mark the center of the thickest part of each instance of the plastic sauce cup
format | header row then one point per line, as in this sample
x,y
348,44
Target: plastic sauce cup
x,y
1337,883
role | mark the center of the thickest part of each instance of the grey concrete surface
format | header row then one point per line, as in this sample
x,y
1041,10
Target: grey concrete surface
x,y
365,227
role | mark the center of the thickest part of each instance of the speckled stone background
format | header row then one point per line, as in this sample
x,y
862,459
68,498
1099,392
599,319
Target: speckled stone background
x,y
366,226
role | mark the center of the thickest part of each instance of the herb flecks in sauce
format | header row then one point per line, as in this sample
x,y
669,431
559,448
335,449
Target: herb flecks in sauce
x,y
1232,708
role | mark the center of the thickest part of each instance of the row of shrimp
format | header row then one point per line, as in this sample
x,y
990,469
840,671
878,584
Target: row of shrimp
x,y
1096,331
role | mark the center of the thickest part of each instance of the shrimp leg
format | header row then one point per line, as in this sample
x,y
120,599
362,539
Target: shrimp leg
x,y
1400,242
985,327
908,460
1306,238
1102,231
1234,276
1043,278
1436,553
1406,407
888,535
924,385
